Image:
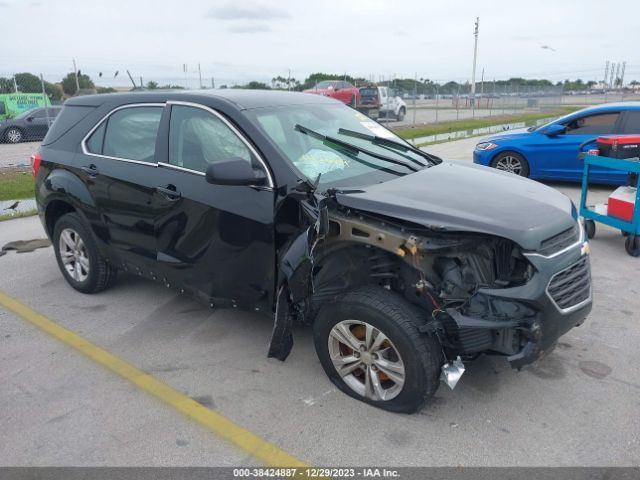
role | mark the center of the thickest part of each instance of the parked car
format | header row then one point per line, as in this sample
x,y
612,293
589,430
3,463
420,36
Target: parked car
x,y
338,89
391,105
550,152
296,207
13,104
30,125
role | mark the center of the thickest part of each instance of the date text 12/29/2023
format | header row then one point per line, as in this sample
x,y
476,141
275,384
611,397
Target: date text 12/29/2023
x,y
315,472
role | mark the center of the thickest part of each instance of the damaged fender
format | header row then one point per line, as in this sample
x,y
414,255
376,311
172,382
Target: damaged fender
x,y
295,274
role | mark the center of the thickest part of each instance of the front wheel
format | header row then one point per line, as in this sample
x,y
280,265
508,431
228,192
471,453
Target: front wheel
x,y
511,162
401,114
370,347
590,228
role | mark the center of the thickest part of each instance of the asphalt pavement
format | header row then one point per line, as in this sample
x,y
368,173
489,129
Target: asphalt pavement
x,y
579,406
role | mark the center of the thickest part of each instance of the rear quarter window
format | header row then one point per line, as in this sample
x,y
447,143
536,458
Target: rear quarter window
x,y
68,118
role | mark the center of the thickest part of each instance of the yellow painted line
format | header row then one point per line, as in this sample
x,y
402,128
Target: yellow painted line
x,y
212,421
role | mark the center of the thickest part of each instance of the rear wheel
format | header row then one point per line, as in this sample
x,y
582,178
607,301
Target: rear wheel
x,y
511,162
401,113
14,135
632,245
370,347
79,259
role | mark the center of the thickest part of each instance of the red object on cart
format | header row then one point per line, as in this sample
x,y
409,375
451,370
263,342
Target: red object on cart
x,y
624,146
621,203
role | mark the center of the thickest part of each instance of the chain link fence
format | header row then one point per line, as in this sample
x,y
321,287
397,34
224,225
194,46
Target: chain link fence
x,y
29,103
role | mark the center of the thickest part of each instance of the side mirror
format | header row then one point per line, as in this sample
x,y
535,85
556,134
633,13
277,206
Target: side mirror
x,y
554,130
234,171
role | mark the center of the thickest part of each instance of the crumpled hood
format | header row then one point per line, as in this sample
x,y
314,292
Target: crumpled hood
x,y
463,197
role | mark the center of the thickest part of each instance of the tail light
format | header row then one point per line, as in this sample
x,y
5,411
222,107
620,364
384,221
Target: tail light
x,y
36,160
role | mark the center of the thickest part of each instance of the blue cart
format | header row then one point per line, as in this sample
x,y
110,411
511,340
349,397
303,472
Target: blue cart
x,y
630,229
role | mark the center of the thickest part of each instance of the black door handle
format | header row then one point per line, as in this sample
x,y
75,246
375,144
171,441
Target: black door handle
x,y
90,170
170,192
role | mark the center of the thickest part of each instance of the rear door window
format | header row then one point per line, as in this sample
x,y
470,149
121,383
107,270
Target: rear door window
x,y
631,122
128,134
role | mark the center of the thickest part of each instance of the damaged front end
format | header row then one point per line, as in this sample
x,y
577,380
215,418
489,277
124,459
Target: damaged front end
x,y
480,293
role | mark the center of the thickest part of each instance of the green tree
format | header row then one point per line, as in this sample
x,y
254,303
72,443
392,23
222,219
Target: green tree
x,y
151,85
69,83
105,90
6,85
28,83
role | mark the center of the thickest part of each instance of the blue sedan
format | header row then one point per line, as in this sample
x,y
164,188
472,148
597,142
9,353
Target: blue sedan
x,y
550,152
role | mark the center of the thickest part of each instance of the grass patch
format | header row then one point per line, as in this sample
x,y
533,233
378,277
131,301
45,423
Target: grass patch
x,y
471,123
16,185
11,216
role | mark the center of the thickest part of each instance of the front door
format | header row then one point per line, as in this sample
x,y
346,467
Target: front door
x,y
215,239
558,155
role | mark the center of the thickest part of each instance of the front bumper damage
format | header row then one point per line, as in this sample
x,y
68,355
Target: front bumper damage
x,y
525,322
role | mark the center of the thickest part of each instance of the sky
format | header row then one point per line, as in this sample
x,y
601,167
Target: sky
x,y
242,40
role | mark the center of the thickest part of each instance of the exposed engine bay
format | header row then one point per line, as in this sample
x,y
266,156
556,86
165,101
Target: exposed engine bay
x,y
442,273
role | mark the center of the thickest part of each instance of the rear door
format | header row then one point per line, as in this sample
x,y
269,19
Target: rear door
x,y
119,167
214,239
557,156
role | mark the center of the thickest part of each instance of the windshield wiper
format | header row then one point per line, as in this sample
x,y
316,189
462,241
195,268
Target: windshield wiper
x,y
391,143
349,146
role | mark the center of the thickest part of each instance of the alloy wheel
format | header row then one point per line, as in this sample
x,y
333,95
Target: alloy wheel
x,y
510,164
73,253
366,359
14,135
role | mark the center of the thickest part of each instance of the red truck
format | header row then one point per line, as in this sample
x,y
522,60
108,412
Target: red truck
x,y
338,89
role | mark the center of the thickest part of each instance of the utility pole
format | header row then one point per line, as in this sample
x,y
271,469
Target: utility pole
x,y
15,84
289,80
611,75
615,79
606,74
213,83
473,72
75,71
624,66
200,76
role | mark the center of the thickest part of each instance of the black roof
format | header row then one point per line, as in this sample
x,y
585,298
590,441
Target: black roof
x,y
242,99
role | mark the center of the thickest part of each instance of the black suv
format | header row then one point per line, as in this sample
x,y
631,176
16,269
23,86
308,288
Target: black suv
x,y
30,125
301,208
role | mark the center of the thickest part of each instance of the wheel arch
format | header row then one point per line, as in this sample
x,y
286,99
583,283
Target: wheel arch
x,y
54,210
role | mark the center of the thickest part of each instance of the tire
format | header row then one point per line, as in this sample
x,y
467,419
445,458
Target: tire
x,y
511,162
401,113
404,347
590,228
14,135
83,267
632,245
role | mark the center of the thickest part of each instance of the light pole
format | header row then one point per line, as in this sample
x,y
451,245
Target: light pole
x,y
75,71
473,72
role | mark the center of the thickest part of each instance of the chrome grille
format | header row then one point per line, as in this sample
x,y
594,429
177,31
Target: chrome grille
x,y
560,241
572,285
